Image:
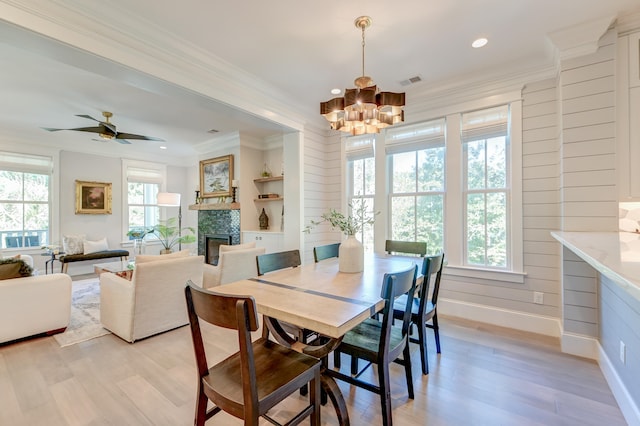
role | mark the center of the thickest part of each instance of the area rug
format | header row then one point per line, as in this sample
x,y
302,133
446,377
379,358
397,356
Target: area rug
x,y
85,314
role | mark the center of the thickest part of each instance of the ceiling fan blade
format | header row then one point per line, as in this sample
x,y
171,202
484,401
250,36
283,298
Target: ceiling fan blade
x,y
138,137
122,141
52,130
87,116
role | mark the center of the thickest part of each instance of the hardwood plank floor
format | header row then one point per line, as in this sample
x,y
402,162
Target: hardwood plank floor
x,y
485,376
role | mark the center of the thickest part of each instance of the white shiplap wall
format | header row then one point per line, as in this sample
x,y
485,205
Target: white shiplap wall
x,y
322,183
588,164
541,192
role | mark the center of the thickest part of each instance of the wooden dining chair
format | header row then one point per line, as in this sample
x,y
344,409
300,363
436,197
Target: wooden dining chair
x,y
274,261
405,247
380,343
423,309
257,377
326,252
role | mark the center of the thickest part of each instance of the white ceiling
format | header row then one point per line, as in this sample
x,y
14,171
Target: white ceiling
x,y
301,49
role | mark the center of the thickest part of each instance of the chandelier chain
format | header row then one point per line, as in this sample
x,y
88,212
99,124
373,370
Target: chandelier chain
x,y
363,43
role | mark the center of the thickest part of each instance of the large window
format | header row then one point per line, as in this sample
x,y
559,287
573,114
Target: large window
x,y
144,181
485,150
361,183
24,200
416,163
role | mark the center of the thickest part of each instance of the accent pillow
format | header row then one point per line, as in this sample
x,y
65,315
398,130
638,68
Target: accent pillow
x,y
14,268
95,246
142,258
222,248
72,244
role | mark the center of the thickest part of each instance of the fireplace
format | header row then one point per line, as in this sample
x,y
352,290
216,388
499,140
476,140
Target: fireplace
x,y
212,243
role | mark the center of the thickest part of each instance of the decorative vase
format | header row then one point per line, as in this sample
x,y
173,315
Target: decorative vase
x,y
351,255
138,245
166,251
264,220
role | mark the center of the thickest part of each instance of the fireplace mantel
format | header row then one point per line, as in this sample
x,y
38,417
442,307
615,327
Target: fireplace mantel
x,y
215,206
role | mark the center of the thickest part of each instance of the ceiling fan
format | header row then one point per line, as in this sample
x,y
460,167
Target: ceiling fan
x,y
107,130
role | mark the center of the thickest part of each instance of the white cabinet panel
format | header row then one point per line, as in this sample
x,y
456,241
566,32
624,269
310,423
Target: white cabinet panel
x,y
634,142
271,241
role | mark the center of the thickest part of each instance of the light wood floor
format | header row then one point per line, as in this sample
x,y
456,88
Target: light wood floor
x,y
484,376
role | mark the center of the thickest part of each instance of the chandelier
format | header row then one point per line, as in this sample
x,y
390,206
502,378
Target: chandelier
x,y
363,109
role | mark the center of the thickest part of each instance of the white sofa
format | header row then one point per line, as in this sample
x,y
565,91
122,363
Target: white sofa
x,y
233,265
153,300
34,305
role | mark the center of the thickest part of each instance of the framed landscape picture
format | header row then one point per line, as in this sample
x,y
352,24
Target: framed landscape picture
x,y
93,197
216,175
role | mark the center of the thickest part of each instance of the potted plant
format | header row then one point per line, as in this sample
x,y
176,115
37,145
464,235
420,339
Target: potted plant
x,y
351,253
168,233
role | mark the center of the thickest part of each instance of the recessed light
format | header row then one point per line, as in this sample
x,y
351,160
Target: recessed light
x,y
163,147
479,42
335,91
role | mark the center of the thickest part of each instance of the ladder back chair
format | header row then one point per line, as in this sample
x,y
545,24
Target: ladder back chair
x,y
380,343
326,252
405,247
260,375
423,309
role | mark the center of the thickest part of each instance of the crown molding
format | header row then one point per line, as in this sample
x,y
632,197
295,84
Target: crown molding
x,y
581,39
148,48
225,141
627,23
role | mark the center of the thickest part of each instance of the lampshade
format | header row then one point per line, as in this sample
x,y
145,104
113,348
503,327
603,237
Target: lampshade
x,y
168,199
363,109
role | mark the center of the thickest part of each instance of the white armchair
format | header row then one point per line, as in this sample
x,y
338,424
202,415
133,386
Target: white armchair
x,y
232,266
153,301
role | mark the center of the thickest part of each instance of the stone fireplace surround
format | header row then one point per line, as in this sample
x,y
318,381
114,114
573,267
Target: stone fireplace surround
x,y
215,219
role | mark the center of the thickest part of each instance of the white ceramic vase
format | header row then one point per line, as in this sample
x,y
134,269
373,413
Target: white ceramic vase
x,y
351,255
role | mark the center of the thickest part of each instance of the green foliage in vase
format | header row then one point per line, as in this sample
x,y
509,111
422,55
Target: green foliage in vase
x,y
350,224
168,234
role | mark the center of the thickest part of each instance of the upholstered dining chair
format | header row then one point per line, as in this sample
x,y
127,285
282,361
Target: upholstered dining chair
x,y
380,343
418,248
423,308
326,252
257,377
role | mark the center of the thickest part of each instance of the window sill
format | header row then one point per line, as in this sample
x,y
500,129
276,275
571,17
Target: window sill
x,y
486,274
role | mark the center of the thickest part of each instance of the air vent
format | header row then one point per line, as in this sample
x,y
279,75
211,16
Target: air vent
x,y
213,131
411,80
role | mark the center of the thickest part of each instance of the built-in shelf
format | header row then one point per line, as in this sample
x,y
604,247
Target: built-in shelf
x,y
268,179
269,199
215,206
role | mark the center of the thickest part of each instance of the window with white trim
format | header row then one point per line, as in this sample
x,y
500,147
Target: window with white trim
x,y
361,182
144,181
416,164
486,192
25,200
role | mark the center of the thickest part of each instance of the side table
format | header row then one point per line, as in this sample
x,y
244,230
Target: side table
x,y
53,256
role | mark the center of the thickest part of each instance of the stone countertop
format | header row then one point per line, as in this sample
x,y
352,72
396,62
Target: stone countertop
x,y
613,254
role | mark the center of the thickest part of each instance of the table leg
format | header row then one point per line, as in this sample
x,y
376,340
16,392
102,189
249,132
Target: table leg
x,y
319,348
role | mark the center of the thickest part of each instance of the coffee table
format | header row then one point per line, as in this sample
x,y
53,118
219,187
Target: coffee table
x,y
113,267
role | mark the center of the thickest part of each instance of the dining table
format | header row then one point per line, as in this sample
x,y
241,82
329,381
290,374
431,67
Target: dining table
x,y
320,298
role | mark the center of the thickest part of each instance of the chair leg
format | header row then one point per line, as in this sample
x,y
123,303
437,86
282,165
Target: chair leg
x,y
406,354
354,365
201,407
385,393
422,341
336,359
314,399
436,331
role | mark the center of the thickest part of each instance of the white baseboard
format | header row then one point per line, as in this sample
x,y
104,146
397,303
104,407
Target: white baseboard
x,y
627,405
501,317
578,345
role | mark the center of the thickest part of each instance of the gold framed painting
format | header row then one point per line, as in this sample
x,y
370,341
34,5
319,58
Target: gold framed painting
x,y
216,175
93,197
